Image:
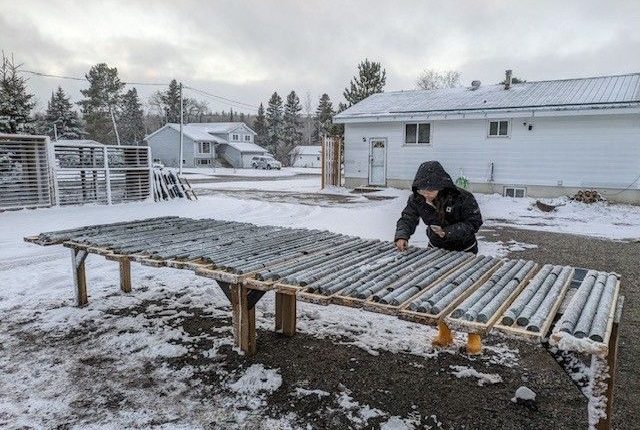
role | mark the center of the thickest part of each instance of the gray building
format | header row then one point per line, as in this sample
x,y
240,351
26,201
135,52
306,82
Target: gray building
x,y
205,144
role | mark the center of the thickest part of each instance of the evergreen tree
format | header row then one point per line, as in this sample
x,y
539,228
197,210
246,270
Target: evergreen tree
x,y
370,80
260,127
171,102
322,119
274,123
15,101
131,119
101,103
59,112
291,134
231,115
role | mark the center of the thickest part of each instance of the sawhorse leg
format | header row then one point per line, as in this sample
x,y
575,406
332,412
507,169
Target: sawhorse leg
x,y
607,375
243,301
78,258
125,275
285,313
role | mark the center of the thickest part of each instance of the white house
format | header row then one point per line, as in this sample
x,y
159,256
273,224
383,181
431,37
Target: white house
x,y
305,156
540,139
204,144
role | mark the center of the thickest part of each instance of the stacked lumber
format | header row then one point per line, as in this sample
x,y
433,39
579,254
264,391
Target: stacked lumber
x,y
169,185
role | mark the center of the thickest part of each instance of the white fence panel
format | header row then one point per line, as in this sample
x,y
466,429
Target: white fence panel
x,y
25,172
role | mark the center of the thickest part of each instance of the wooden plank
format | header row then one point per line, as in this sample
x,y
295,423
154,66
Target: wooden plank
x,y
430,319
285,313
125,275
219,275
516,331
235,313
317,299
483,328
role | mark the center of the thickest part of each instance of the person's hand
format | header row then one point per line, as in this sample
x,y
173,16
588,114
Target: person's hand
x,y
437,230
401,244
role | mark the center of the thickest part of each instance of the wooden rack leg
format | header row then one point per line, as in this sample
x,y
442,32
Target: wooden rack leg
x,y
474,344
444,337
286,313
235,313
79,276
125,275
247,321
609,378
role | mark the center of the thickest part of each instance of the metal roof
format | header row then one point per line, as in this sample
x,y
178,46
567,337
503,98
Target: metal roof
x,y
597,92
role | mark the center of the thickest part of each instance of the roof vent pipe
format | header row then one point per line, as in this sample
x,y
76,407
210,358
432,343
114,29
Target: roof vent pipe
x,y
475,85
507,79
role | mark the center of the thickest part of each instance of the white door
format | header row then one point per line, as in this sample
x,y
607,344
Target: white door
x,y
378,162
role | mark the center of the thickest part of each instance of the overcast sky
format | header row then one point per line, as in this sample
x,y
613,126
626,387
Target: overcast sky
x,y
245,50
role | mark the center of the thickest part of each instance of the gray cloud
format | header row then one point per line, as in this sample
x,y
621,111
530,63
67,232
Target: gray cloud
x,y
247,50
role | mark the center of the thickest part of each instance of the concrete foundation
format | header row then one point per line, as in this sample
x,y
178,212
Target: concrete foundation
x,y
536,191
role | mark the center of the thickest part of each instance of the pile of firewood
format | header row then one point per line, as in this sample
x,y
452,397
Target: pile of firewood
x,y
587,196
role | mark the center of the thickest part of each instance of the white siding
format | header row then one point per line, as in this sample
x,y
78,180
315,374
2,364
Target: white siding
x,y
306,160
580,151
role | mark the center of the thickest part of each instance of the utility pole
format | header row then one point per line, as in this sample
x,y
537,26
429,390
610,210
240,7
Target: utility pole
x,y
181,136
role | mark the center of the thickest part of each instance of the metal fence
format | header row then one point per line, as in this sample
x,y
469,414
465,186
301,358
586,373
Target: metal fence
x,y
37,173
25,172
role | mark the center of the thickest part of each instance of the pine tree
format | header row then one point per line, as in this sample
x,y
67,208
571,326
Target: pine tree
x,y
291,134
15,101
171,101
370,80
260,127
274,123
231,115
101,103
59,112
322,119
131,119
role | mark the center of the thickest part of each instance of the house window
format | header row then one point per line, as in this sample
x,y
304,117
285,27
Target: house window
x,y
418,133
204,147
247,138
515,192
234,137
498,128
203,162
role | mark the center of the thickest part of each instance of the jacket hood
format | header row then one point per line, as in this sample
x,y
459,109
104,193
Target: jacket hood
x,y
432,176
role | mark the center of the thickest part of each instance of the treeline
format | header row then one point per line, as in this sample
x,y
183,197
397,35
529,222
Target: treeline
x,y
107,113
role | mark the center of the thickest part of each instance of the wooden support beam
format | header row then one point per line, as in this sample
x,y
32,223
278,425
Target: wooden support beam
x,y
125,275
247,321
286,313
234,298
78,258
609,376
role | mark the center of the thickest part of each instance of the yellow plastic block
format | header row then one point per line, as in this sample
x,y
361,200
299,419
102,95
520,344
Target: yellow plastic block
x,y
445,337
474,344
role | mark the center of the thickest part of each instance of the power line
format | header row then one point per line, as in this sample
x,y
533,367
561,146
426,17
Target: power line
x,y
202,92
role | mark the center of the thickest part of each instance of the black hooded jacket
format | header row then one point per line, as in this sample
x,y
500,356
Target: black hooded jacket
x,y
460,217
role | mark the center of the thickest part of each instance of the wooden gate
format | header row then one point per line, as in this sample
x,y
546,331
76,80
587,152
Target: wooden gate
x,y
331,161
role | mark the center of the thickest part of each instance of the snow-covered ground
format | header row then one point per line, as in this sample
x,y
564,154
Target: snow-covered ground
x,y
43,337
208,172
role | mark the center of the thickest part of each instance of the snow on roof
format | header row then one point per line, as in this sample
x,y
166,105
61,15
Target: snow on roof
x,y
76,142
596,92
247,147
306,150
204,131
221,127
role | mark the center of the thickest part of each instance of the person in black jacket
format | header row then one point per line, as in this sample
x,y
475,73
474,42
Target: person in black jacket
x,y
451,214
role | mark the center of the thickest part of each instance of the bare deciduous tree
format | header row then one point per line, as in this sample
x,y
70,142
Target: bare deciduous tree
x,y
431,79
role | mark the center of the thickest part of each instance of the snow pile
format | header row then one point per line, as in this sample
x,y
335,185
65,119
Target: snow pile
x,y
255,384
524,394
358,414
470,372
397,423
302,392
